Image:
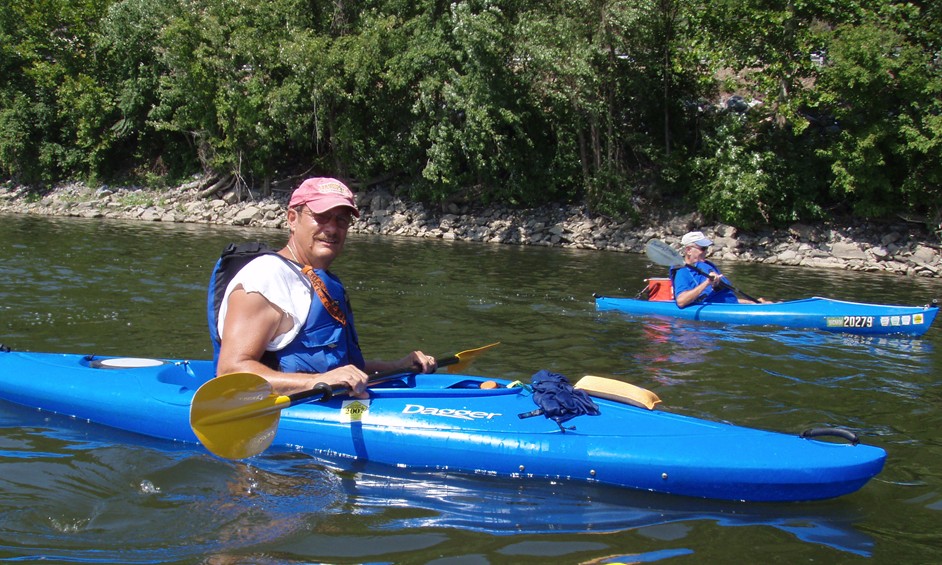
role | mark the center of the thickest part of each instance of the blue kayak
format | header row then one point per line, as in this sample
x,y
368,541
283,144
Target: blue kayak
x,y
450,423
813,313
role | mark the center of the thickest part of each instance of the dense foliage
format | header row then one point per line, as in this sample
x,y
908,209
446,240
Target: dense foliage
x,y
754,112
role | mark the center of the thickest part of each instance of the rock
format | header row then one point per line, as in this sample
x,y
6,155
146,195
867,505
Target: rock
x,y
151,215
925,256
683,224
844,250
804,232
891,237
245,216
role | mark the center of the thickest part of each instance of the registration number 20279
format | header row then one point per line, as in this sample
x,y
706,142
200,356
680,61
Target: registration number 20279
x,y
850,321
858,321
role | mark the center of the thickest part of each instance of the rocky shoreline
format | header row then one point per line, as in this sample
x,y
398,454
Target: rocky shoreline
x,y
902,248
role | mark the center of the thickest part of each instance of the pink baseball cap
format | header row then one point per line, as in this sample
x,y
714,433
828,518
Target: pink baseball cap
x,y
322,194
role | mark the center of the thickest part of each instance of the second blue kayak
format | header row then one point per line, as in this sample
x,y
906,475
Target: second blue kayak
x,y
814,313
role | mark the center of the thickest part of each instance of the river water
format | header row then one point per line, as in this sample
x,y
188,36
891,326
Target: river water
x,y
75,492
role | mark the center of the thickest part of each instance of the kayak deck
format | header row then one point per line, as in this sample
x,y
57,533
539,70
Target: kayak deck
x,y
448,422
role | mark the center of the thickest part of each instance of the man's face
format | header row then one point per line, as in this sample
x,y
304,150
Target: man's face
x,y
319,238
695,253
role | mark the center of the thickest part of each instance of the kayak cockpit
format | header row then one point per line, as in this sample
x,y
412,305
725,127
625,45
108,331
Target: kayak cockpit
x,y
441,384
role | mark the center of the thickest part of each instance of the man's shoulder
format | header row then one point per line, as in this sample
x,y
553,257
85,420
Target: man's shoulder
x,y
682,272
270,263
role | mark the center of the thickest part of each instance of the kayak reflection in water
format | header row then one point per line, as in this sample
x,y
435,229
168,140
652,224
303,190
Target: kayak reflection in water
x,y
700,281
284,316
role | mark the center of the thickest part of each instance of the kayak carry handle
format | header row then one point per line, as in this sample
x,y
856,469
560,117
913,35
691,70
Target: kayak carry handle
x,y
835,432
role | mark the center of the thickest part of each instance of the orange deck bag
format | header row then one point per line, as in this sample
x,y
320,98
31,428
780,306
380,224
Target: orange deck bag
x,y
660,290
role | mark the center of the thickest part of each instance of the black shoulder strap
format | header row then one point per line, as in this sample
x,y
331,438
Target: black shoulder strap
x,y
251,249
231,260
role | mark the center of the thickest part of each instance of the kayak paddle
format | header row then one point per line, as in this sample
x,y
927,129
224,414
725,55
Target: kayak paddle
x,y
236,415
666,256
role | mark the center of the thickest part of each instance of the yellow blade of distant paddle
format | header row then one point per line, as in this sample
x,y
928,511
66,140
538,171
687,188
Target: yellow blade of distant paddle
x,y
236,416
466,357
618,391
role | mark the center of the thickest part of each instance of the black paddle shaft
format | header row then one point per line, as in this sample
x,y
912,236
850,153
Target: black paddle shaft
x,y
327,391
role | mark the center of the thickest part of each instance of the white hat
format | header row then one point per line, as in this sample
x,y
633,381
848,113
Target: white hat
x,y
696,238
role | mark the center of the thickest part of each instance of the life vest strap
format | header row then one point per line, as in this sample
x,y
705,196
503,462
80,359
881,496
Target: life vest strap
x,y
321,290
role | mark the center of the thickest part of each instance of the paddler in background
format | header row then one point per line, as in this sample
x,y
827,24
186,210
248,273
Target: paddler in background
x,y
285,316
691,286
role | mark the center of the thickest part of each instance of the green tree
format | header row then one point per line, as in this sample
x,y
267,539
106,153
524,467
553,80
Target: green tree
x,y
472,121
758,163
47,58
128,53
226,87
886,96
613,80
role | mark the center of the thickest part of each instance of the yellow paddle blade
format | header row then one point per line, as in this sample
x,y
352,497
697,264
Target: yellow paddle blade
x,y
465,358
619,391
235,416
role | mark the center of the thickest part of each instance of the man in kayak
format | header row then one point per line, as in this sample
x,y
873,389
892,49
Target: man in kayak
x,y
286,317
699,280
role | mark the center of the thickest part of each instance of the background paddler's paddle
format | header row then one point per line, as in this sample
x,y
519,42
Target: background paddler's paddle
x,y
666,256
236,415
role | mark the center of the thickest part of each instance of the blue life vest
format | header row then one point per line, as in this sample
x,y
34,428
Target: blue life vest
x,y
710,294
322,344
673,270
